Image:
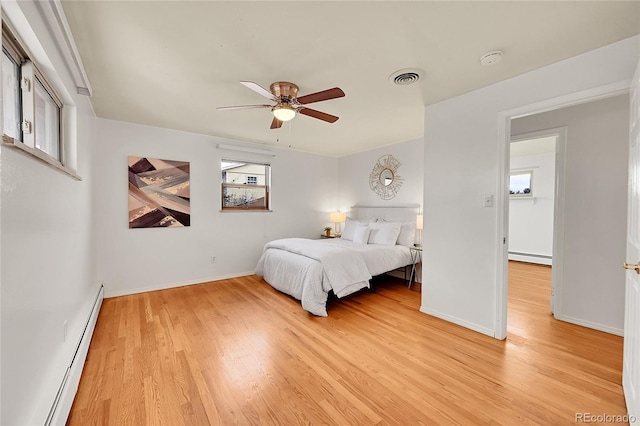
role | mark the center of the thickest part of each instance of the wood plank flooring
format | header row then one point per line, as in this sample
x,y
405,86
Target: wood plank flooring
x,y
238,352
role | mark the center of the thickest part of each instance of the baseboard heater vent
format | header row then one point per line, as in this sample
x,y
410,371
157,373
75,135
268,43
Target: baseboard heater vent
x,y
66,393
541,256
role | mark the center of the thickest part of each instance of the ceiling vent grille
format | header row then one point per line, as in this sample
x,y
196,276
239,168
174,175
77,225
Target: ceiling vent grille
x,y
405,77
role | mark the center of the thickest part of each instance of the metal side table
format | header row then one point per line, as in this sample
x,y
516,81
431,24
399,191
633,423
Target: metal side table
x,y
416,257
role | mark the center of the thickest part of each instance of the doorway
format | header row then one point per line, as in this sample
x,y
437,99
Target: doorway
x,y
533,199
585,249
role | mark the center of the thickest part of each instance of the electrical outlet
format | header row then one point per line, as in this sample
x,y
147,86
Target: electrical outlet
x,y
64,331
213,259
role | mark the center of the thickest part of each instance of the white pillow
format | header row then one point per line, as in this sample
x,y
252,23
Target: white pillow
x,y
384,233
361,236
407,235
350,228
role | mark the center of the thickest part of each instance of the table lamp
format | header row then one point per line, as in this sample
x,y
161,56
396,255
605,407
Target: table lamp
x,y
337,218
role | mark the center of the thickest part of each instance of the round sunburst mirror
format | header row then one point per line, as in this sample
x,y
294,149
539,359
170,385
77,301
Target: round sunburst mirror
x,y
384,179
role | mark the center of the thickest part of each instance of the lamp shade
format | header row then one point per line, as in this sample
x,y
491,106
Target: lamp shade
x,y
337,217
419,222
284,112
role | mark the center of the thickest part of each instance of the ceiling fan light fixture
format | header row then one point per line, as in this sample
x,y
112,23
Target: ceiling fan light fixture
x,y
283,112
288,105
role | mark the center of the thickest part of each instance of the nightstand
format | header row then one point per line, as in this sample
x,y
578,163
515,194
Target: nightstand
x,y
416,257
328,236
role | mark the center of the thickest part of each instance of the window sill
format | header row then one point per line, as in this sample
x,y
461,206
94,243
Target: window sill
x,y
10,142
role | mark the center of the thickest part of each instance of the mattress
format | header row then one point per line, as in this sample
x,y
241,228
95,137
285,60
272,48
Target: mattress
x,y
305,278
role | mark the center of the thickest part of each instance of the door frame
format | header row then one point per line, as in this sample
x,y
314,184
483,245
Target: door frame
x,y
502,190
558,210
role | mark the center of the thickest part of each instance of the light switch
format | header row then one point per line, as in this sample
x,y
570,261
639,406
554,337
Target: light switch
x,y
488,200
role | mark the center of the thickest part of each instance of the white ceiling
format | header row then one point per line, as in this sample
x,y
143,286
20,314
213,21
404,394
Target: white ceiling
x,y
535,146
171,63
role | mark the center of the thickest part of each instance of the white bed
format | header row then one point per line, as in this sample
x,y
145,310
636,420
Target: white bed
x,y
309,269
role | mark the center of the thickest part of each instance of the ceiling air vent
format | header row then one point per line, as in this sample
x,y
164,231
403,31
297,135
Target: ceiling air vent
x,y
405,77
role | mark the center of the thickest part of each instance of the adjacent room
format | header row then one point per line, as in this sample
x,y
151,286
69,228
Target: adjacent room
x,y
265,212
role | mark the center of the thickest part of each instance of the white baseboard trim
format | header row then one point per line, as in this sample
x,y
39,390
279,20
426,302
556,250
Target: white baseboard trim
x,y
109,294
475,327
530,259
61,406
592,325
400,274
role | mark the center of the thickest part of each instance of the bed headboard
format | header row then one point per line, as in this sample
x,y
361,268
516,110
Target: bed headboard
x,y
388,213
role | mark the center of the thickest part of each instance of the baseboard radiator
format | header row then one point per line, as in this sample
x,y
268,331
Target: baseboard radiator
x,y
542,259
66,393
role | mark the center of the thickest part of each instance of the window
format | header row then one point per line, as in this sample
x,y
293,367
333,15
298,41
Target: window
x,y
47,117
521,183
245,185
32,109
11,95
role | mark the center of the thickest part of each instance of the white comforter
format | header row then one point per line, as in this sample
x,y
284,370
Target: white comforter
x,y
309,269
342,268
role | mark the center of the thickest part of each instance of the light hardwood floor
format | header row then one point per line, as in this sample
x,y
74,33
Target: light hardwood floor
x,y
238,352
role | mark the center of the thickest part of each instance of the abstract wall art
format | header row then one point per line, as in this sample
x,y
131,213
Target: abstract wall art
x,y
158,193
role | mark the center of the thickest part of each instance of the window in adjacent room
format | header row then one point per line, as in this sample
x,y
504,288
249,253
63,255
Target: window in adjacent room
x,y
32,108
245,185
521,183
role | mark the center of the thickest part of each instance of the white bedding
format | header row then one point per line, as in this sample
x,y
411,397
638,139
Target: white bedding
x,y
309,269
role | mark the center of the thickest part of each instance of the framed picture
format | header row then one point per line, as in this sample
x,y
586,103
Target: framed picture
x,y
521,184
159,193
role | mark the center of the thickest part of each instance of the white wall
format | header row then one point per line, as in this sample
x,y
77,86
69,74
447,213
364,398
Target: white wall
x,y
595,205
354,171
304,188
47,255
462,165
531,219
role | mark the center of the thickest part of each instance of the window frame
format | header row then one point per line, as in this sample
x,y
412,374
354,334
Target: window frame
x,y
266,186
39,78
17,102
518,173
16,53
28,69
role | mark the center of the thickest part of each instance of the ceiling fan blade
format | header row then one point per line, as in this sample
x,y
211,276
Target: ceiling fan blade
x,y
245,107
259,89
319,115
276,124
336,92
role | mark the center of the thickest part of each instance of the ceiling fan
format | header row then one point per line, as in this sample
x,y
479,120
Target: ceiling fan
x,y
284,94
